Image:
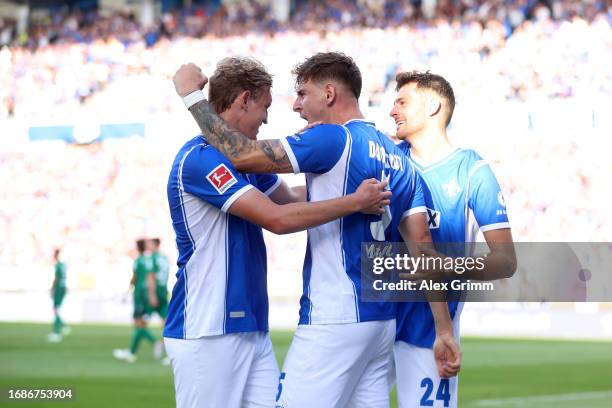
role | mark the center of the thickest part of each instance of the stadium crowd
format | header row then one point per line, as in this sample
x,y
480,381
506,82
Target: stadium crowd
x,y
505,59
239,17
69,63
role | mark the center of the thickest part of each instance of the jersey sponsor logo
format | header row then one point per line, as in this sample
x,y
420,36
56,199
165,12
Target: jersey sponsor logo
x,y
500,199
221,178
433,218
451,188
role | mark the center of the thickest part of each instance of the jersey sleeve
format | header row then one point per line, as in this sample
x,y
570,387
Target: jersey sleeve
x,y
416,202
163,264
155,263
316,150
208,175
267,183
487,201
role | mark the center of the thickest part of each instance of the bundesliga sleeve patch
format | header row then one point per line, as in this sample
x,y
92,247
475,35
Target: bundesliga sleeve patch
x,y
221,178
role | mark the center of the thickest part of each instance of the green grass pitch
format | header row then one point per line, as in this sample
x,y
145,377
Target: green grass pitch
x,y
496,372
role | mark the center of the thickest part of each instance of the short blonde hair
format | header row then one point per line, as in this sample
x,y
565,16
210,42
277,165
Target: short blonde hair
x,y
234,75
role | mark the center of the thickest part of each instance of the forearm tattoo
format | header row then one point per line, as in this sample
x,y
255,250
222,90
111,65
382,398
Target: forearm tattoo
x,y
234,145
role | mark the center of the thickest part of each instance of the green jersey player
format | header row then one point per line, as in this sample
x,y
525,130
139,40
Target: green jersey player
x,y
58,292
143,281
161,270
143,267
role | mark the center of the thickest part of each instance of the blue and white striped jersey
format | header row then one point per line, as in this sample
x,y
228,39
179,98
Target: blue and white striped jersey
x,y
336,159
221,281
463,197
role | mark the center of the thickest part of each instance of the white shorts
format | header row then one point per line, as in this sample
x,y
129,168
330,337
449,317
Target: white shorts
x,y
233,370
338,365
418,382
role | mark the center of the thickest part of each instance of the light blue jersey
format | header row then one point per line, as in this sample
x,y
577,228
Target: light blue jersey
x,y
221,281
336,159
463,197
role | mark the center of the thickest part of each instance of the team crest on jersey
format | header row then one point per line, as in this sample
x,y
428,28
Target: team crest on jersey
x,y
433,218
221,178
451,188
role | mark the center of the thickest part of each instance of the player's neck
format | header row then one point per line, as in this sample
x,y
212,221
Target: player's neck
x,y
344,113
428,147
230,118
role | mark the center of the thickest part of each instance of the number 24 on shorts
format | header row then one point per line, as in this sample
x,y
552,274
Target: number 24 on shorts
x,y
443,393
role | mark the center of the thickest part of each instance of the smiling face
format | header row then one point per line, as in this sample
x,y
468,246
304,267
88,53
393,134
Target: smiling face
x,y
255,114
410,110
311,101
239,91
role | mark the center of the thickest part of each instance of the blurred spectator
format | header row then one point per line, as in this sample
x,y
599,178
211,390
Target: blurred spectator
x,y
510,61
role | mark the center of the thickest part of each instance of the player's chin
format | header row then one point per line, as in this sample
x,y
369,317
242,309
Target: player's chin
x,y
401,134
253,134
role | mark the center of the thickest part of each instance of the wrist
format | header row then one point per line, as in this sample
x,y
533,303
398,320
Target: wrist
x,y
444,329
193,97
442,321
355,202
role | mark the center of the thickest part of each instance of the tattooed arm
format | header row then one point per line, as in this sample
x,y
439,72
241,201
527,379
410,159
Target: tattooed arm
x,y
246,155
253,156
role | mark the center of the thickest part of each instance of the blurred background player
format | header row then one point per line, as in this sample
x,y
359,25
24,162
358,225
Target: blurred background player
x,y
341,349
58,292
462,197
161,270
144,295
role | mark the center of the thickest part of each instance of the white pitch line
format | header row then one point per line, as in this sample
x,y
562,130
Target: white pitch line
x,y
523,401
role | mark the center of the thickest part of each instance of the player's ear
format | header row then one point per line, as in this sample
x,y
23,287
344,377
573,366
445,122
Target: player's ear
x,y
243,99
330,94
435,105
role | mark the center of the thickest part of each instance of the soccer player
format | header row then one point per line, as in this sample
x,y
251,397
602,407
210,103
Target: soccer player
x,y
161,271
143,282
58,292
342,347
216,333
464,197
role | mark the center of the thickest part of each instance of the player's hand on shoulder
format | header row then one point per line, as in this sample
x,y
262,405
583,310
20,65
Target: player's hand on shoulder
x,y
189,78
447,354
308,126
372,196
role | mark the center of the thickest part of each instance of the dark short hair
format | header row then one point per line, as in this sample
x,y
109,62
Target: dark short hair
x,y
156,241
427,80
141,245
234,75
330,66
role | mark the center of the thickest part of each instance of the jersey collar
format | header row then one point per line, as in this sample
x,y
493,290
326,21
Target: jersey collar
x,y
424,169
359,120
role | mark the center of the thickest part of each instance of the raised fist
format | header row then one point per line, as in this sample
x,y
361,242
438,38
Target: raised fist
x,y
188,78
